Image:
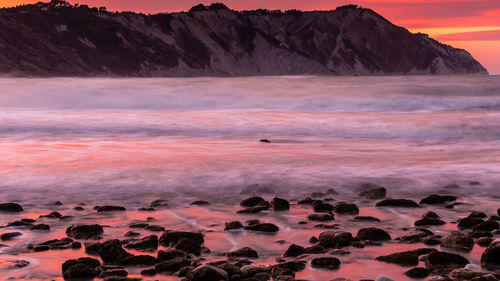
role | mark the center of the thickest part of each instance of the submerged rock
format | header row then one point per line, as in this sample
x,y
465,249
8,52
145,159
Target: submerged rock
x,y
294,251
233,225
372,191
321,207
100,209
246,252
279,204
458,241
418,273
398,203
263,227
330,263
444,260
11,207
174,237
10,235
252,201
436,199
333,239
345,208
83,231
373,234
321,217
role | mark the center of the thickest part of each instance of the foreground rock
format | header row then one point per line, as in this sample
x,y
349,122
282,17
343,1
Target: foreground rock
x,y
82,268
409,258
279,204
436,199
490,258
246,252
207,273
101,209
172,237
457,241
263,227
11,208
329,263
444,260
373,234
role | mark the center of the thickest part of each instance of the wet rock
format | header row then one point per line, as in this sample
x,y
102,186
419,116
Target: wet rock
x,y
83,231
488,225
478,215
372,191
418,273
279,204
184,271
158,203
174,237
164,255
321,217
429,221
444,260
329,263
245,252
188,246
171,266
120,272
366,218
139,260
140,225
373,234
40,227
111,252
56,244
147,243
52,215
398,203
231,269
436,199
252,201
207,273
90,262
409,258
20,224
321,207
132,234
294,251
470,272
80,271
333,239
306,201
101,209
149,272
10,235
265,141
263,227
458,241
155,228
233,225
78,208
468,223
263,206
200,203
146,209
490,258
11,208
286,269
345,208
484,241
8,264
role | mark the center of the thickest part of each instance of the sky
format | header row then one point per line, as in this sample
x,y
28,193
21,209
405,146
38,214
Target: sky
x,y
473,25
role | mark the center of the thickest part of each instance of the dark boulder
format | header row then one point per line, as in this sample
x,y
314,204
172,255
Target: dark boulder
x,y
83,231
333,239
263,227
436,199
174,237
165,255
139,260
111,252
373,234
90,262
398,203
468,223
80,271
321,207
279,204
490,258
321,217
41,226
366,218
100,209
329,263
10,235
345,208
409,258
207,273
263,206
372,191
188,246
200,203
457,241
444,260
149,272
294,251
158,203
233,225
418,273
429,221
252,201
147,243
11,208
489,225
245,252
171,266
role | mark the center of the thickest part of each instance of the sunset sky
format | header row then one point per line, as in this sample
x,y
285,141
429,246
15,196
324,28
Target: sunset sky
x,y
473,25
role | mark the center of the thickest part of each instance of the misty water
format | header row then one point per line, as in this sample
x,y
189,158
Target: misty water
x,y
128,142
107,139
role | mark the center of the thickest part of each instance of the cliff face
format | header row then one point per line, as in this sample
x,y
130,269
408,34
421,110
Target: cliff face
x,y
57,39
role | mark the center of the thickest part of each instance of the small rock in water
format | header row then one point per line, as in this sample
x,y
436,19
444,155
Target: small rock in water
x,y
366,218
383,278
488,225
246,252
207,273
444,260
10,235
11,207
101,209
490,258
149,272
294,251
80,271
409,258
252,201
398,203
12,264
320,207
345,208
372,191
200,203
53,215
429,221
418,273
84,231
373,234
263,227
279,204
233,225
484,241
158,203
330,263
174,237
188,246
457,241
436,199
40,227
147,243
468,223
265,141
